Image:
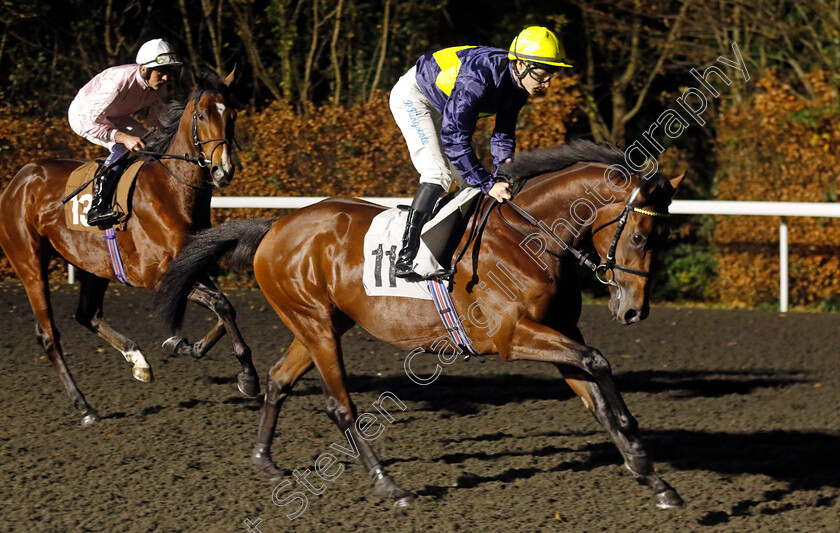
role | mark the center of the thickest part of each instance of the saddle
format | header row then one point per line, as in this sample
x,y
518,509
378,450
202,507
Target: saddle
x,y
75,209
438,242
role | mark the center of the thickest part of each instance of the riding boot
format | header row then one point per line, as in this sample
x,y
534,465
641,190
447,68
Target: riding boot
x,y
100,213
410,242
418,214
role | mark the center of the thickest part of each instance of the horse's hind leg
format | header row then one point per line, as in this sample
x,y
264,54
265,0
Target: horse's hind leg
x,y
281,379
327,356
30,259
205,294
89,314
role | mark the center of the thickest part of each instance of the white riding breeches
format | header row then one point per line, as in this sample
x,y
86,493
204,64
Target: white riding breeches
x,y
420,124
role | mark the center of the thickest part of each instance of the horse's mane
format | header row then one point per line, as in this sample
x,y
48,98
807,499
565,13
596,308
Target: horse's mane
x,y
170,116
530,164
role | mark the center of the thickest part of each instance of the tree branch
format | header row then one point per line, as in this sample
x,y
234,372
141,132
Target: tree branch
x,y
383,49
334,54
667,48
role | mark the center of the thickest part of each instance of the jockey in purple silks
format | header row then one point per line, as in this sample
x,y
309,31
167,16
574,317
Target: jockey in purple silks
x,y
436,105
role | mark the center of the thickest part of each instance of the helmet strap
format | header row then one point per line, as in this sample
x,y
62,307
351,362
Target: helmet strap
x,y
146,75
520,75
529,66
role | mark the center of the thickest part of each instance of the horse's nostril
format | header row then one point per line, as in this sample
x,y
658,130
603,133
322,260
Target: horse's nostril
x,y
631,316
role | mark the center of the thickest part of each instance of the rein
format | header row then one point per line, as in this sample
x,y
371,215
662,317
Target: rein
x,y
609,264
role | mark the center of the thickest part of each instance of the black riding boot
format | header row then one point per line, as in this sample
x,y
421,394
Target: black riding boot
x,y
410,242
100,213
419,213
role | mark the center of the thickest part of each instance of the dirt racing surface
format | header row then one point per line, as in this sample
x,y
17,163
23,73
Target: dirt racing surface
x,y
739,410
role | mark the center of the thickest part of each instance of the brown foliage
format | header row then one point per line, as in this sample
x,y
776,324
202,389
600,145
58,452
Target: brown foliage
x,y
359,151
778,147
330,151
26,138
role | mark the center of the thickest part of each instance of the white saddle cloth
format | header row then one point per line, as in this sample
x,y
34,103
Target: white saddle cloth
x,y
382,245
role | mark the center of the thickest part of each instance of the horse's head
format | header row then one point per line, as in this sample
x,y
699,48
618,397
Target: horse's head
x,y
626,235
211,116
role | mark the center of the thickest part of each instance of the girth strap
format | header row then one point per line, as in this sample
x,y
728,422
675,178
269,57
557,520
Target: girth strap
x,y
450,319
116,259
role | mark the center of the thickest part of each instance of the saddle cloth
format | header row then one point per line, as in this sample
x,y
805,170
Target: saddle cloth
x,y
383,242
75,210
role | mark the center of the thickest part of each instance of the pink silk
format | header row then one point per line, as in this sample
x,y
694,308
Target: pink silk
x,y
109,99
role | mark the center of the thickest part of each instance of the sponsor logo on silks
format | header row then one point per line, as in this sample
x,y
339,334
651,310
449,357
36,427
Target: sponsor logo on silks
x,y
415,122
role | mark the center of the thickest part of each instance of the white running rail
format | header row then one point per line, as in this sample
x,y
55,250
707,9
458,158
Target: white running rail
x,y
678,207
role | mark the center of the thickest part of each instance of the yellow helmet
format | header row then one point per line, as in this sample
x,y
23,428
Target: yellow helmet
x,y
539,45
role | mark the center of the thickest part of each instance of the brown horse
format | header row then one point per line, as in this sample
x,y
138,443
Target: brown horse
x,y
171,199
523,297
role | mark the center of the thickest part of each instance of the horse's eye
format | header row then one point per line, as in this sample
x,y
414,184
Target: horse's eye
x,y
201,116
638,239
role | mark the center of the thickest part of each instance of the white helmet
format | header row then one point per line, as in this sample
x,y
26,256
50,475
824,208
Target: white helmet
x,y
157,53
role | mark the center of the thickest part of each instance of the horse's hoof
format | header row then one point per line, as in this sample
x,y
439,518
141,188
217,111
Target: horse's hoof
x,y
179,346
386,488
90,419
172,344
274,472
249,386
143,374
668,499
261,458
404,502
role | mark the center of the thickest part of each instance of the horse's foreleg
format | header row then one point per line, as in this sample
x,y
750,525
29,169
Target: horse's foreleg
x,y
205,294
281,379
89,314
627,439
590,376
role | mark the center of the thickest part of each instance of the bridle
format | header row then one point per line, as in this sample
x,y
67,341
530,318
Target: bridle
x,y
609,263
201,159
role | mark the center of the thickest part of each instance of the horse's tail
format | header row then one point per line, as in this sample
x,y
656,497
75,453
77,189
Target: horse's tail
x,y
233,243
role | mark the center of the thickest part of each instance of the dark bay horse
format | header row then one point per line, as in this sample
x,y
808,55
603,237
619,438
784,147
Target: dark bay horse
x,y
526,286
171,199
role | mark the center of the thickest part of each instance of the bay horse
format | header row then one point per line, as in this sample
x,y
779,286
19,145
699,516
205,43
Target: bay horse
x,y
171,199
309,266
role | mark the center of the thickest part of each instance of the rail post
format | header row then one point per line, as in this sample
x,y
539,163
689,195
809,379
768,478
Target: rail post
x,y
783,265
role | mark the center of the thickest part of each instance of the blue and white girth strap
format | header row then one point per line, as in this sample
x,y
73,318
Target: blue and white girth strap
x,y
450,318
116,260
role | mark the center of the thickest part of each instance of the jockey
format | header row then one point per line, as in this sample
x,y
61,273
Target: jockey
x,y
436,105
102,109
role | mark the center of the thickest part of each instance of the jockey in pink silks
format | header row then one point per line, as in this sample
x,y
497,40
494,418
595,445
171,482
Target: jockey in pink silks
x,y
101,113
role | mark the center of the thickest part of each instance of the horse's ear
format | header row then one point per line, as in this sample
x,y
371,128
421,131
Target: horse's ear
x,y
193,80
229,78
675,182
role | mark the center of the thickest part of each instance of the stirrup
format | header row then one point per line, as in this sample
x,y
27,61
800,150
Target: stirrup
x,y
408,275
103,221
444,274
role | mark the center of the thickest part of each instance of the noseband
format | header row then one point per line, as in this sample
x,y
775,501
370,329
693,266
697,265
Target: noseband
x,y
609,264
202,160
